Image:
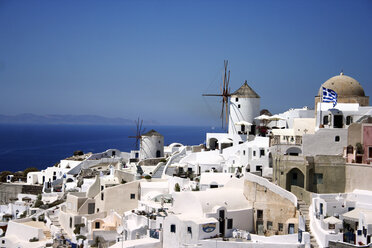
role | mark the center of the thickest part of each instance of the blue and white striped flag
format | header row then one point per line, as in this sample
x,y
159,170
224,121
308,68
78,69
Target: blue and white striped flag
x,y
329,96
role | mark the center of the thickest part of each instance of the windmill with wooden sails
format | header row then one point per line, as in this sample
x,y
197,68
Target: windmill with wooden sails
x,y
139,132
225,94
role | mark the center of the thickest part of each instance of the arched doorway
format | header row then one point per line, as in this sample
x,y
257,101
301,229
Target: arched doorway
x,y
295,177
293,151
213,143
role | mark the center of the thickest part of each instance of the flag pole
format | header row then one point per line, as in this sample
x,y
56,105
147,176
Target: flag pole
x,y
320,108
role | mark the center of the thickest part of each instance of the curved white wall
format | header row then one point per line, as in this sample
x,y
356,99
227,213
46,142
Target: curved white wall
x,y
150,145
249,109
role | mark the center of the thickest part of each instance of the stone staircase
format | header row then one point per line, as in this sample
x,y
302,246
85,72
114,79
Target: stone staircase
x,y
304,210
159,172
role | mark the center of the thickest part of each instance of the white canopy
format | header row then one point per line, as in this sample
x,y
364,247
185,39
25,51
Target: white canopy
x,y
276,118
245,123
263,117
332,220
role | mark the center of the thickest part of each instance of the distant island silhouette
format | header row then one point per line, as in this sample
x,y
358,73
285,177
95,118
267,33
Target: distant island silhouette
x,y
28,118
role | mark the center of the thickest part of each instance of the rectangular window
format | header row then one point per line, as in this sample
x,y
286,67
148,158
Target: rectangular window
x,y
325,120
173,228
259,214
243,152
229,223
189,230
97,225
280,227
132,196
101,196
238,105
262,152
269,225
254,153
370,152
236,99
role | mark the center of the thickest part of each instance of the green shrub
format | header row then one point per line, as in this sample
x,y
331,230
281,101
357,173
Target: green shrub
x,y
196,188
78,153
81,237
31,169
177,187
148,177
4,174
77,228
38,203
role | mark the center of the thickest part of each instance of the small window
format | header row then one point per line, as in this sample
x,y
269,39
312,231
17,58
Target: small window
x,y
337,138
236,99
238,105
240,142
189,230
97,210
70,222
229,223
262,152
269,225
259,214
359,232
243,152
370,152
132,196
280,227
97,225
325,120
254,153
173,228
349,120
3,241
101,196
102,187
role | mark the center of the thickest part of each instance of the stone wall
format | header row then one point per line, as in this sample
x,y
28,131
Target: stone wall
x,y
302,194
275,209
11,190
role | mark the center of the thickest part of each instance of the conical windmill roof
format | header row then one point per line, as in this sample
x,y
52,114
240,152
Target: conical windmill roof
x,y
152,132
245,92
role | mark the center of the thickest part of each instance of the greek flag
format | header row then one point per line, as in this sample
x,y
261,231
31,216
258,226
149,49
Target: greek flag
x,y
329,96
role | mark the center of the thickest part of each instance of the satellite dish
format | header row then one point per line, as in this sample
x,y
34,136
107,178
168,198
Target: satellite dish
x,y
120,229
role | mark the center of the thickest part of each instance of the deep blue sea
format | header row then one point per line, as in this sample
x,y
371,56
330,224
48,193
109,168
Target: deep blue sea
x,y
39,146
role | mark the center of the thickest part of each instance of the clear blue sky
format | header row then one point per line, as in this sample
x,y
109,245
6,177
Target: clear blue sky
x,y
154,59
